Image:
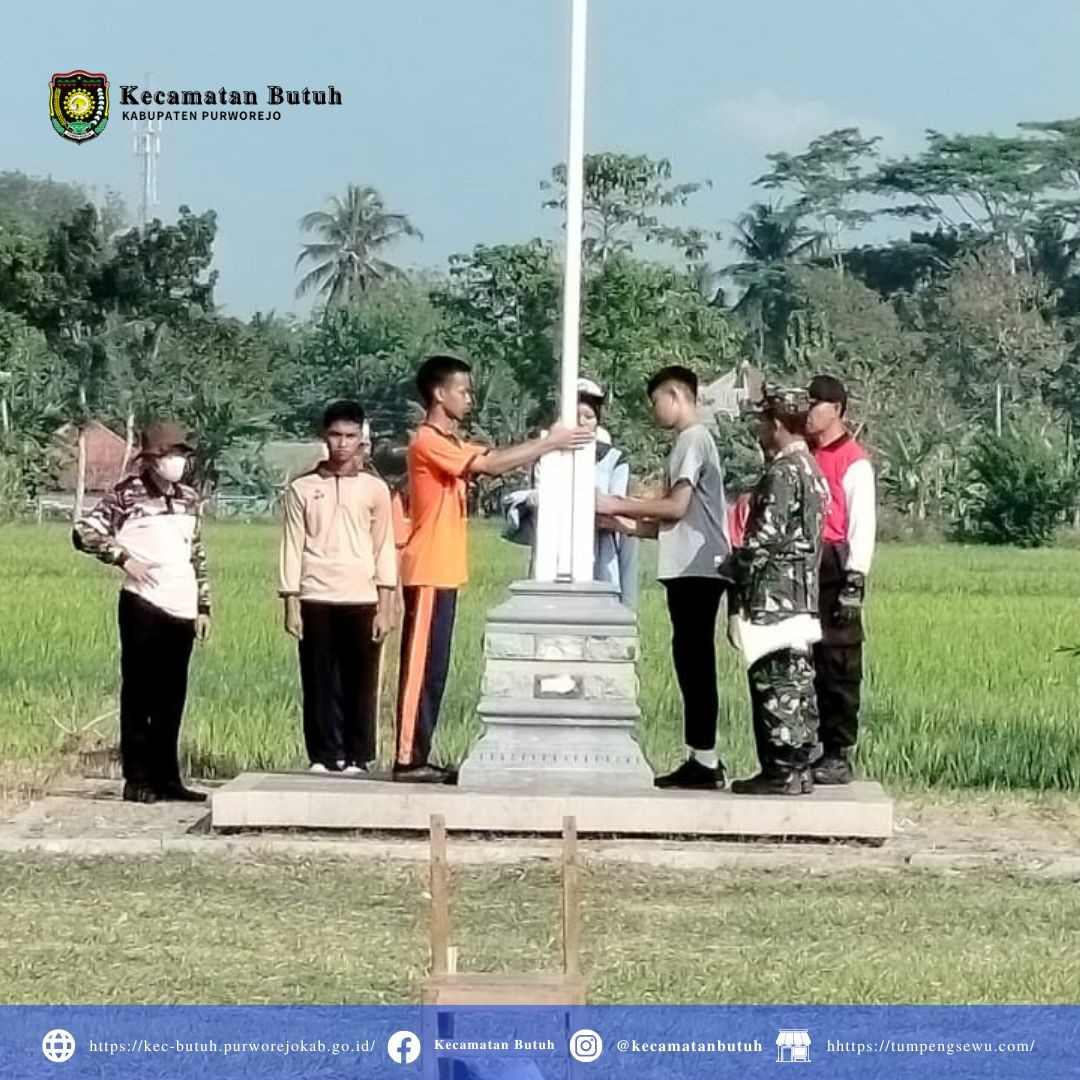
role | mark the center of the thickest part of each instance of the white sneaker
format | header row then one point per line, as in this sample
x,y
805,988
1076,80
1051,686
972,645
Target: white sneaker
x,y
339,766
354,770
318,767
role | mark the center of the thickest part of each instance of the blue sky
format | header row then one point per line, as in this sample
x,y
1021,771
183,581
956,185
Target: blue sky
x,y
455,109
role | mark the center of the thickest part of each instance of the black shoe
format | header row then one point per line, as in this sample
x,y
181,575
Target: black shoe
x,y
833,769
776,782
180,793
423,774
143,793
692,774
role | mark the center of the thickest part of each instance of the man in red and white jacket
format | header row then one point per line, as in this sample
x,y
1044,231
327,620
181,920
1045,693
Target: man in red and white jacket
x,y
850,530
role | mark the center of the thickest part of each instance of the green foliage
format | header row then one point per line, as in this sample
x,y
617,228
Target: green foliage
x,y
639,317
827,178
991,330
502,303
20,460
771,239
33,205
1025,482
906,267
157,279
33,383
841,324
940,334
740,452
503,307
368,350
624,197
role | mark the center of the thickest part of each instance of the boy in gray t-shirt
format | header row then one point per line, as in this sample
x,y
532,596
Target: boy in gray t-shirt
x,y
690,524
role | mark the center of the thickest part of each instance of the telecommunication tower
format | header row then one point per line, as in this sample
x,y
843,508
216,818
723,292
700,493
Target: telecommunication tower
x,y
147,147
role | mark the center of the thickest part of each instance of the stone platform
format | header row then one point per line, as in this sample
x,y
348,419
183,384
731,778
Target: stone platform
x,y
859,811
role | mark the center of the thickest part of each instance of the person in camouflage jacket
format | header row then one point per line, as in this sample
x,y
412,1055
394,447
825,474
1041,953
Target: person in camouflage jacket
x,y
773,597
149,527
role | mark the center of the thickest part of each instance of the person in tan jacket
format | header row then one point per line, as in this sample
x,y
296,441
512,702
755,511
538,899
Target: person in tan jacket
x,y
339,579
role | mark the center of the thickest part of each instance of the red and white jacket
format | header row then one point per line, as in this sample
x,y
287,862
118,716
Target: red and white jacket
x,y
852,515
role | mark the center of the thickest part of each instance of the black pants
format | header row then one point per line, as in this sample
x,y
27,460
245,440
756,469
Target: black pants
x,y
838,685
693,604
155,651
339,674
426,637
837,662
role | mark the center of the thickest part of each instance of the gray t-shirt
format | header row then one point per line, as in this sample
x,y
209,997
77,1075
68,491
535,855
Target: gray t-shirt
x,y
690,548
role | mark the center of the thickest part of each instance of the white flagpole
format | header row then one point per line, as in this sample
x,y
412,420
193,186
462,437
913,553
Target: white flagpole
x,y
575,183
565,541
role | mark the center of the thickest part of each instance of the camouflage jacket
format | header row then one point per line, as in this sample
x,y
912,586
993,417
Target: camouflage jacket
x,y
137,519
775,569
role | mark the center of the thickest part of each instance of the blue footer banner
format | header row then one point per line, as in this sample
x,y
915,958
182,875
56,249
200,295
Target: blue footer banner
x,y
542,1043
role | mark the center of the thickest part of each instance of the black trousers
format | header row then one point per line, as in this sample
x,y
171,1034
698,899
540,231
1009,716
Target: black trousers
x,y
426,637
693,604
339,675
838,662
155,651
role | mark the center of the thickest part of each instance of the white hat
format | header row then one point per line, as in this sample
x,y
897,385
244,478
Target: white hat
x,y
590,389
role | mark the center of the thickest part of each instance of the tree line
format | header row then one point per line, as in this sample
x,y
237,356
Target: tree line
x,y
942,286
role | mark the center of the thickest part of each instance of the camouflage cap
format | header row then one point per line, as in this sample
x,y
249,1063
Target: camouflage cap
x,y
787,399
780,399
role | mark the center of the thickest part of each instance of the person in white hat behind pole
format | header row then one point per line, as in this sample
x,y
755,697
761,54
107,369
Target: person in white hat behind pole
x,y
616,552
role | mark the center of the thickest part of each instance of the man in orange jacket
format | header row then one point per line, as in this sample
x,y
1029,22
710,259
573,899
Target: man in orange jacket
x,y
434,561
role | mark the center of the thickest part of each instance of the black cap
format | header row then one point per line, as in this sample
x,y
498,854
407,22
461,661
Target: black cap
x,y
827,388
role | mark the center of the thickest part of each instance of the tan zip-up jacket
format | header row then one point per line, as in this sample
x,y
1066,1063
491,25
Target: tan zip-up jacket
x,y
338,545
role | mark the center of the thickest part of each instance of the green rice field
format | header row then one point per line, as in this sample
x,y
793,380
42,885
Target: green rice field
x,y
971,682
179,930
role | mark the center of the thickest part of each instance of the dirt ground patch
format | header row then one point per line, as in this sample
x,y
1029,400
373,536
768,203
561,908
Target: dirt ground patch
x,y
1020,832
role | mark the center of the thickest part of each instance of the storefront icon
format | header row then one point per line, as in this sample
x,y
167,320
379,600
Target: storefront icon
x,y
793,1045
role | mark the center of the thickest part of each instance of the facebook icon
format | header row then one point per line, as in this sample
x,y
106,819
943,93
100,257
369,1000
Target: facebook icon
x,y
403,1048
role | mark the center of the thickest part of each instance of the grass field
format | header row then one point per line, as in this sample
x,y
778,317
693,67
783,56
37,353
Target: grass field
x,y
331,931
967,686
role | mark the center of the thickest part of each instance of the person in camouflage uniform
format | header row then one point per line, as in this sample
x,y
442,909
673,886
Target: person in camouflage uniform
x,y
773,598
150,527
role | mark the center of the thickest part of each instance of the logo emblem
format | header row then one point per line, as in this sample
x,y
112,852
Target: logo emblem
x,y
58,1045
403,1047
586,1045
79,105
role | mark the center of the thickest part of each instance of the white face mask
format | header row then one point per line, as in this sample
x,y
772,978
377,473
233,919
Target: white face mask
x,y
172,467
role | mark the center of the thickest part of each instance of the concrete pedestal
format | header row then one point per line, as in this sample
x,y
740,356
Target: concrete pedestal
x,y
559,697
860,811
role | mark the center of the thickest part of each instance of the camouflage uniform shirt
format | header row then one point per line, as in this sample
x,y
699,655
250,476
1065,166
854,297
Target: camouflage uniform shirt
x,y
140,520
775,569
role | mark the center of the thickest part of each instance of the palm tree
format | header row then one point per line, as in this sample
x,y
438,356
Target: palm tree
x,y
772,233
706,279
344,261
770,238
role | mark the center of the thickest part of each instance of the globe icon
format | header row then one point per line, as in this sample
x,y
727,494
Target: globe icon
x,y
58,1045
